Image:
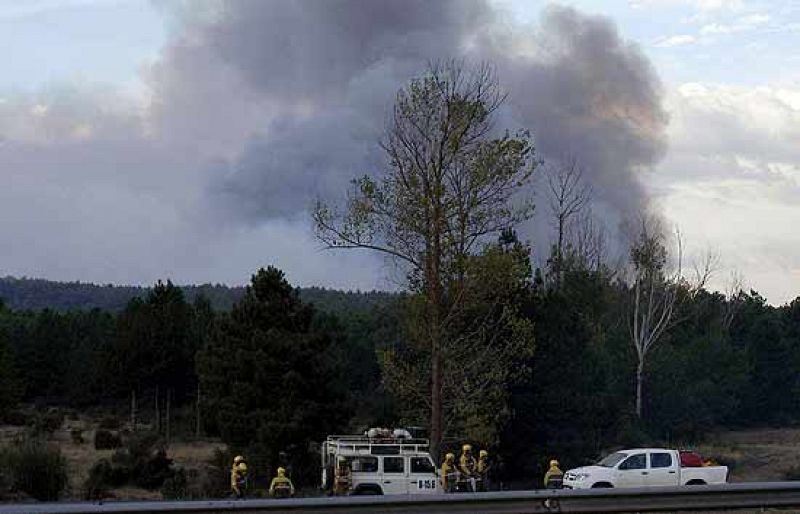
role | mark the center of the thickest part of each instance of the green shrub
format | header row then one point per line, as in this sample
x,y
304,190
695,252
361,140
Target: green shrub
x,y
76,434
36,469
18,418
98,482
106,440
176,487
48,422
109,423
792,473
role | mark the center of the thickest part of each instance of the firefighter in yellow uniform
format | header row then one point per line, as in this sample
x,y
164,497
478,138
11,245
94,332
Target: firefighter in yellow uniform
x,y
483,470
281,486
239,476
449,473
554,478
468,466
343,477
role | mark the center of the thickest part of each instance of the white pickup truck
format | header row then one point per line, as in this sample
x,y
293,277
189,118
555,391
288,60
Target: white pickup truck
x,y
643,467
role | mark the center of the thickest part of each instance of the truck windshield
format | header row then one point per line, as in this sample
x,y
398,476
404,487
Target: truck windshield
x,y
612,460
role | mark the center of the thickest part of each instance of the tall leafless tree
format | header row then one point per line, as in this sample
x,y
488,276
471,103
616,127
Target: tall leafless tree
x,y
569,197
657,288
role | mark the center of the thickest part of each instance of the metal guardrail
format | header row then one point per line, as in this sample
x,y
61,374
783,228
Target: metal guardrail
x,y
654,499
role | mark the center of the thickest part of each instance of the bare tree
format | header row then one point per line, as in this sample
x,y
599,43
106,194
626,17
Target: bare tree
x,y
734,298
569,196
588,243
654,291
449,185
658,287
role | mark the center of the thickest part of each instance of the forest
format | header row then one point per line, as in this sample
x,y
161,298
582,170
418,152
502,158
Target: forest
x,y
278,372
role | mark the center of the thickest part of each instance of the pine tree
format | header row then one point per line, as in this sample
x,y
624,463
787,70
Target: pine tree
x,y
269,378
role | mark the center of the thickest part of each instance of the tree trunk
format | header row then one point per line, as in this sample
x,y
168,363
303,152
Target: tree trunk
x,y
197,414
436,402
639,379
158,414
169,398
133,410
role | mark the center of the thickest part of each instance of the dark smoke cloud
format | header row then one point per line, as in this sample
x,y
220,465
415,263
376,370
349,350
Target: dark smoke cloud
x,y
257,107
331,69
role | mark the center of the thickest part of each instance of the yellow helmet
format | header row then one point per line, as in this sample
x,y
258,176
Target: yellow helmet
x,y
449,457
466,448
281,472
484,453
553,463
238,459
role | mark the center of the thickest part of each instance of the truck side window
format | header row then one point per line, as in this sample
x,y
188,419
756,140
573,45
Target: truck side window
x,y
365,464
660,460
421,465
393,465
638,461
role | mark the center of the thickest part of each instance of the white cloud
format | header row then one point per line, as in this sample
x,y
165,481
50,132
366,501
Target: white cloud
x,y
704,6
743,24
732,178
678,40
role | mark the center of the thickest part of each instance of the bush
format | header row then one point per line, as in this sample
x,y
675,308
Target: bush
x,y
36,469
792,473
48,422
109,423
98,482
142,461
18,418
77,436
176,487
105,440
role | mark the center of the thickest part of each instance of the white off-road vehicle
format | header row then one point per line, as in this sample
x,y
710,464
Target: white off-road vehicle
x,y
379,462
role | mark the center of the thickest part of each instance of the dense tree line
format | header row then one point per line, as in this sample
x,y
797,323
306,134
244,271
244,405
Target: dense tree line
x,y
24,294
732,362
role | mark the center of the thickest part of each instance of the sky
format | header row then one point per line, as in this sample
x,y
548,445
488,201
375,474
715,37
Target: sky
x,y
142,140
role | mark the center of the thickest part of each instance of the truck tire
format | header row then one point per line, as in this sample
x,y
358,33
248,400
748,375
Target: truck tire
x,y
696,481
329,472
368,489
602,485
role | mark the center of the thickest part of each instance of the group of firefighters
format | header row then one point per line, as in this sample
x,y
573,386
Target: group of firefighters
x,y
473,475
469,475
280,487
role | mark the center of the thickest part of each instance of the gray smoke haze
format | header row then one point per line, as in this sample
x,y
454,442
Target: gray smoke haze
x,y
260,106
332,69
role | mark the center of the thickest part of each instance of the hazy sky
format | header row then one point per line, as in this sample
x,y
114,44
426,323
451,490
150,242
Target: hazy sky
x,y
186,139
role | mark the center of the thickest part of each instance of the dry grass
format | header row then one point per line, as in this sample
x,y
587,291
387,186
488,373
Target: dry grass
x,y
757,455
81,457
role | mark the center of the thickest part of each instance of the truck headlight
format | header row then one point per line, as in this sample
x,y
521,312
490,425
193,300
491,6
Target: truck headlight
x,y
581,476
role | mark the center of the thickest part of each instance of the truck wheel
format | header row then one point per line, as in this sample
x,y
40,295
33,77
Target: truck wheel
x,y
696,482
602,485
367,490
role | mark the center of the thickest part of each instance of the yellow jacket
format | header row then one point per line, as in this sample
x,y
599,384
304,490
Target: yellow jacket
x,y
553,473
281,482
467,464
448,469
238,473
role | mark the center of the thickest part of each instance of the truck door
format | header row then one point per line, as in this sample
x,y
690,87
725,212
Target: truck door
x,y
663,469
632,471
422,479
395,478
